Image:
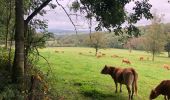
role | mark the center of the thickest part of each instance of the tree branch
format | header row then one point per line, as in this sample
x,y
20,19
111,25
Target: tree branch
x,y
36,11
68,16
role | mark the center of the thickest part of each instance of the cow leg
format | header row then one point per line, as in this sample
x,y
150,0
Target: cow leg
x,y
116,87
120,87
129,91
133,90
165,98
168,97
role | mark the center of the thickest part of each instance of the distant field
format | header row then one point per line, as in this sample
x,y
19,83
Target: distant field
x,y
77,77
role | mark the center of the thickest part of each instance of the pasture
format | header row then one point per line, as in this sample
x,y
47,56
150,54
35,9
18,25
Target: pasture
x,y
77,76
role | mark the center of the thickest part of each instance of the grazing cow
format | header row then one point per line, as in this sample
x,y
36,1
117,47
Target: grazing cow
x,y
80,53
99,56
103,54
114,56
126,61
56,51
166,66
162,89
141,58
127,76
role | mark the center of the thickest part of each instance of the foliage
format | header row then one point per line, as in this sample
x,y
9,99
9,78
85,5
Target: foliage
x,y
96,41
135,43
155,38
111,14
167,45
167,48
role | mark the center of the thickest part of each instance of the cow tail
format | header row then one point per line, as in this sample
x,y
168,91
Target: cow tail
x,y
135,80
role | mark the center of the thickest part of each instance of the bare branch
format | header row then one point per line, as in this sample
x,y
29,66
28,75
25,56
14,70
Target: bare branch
x,y
68,16
50,70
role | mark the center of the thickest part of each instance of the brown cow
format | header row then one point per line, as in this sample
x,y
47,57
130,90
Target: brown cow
x,y
126,61
56,51
141,58
114,56
127,76
162,89
166,66
98,56
80,53
103,54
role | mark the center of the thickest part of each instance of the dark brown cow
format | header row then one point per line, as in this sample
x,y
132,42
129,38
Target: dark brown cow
x,y
127,76
162,89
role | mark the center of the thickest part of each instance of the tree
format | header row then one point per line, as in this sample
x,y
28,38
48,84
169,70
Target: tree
x,y
97,41
167,45
155,38
135,43
18,65
21,27
167,48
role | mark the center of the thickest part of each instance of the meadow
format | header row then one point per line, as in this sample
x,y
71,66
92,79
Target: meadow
x,y
77,76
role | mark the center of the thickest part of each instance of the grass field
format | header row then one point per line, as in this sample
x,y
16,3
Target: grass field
x,y
77,77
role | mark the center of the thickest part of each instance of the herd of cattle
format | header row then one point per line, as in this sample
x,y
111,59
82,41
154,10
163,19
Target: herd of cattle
x,y
129,77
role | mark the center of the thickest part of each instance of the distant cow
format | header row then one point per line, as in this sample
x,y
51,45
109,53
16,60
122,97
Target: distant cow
x,y
103,54
114,56
98,56
80,53
162,89
141,58
126,61
127,76
56,51
166,66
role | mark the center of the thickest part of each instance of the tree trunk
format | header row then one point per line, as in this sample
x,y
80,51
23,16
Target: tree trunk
x,y
130,47
96,51
6,37
8,22
153,56
168,53
18,65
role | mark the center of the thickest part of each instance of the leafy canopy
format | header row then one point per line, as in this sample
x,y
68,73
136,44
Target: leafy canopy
x,y
111,14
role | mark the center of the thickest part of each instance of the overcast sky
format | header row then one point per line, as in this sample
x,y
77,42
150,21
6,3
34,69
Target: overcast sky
x,y
57,19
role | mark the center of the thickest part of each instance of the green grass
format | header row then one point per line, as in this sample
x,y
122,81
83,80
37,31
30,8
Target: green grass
x,y
77,77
